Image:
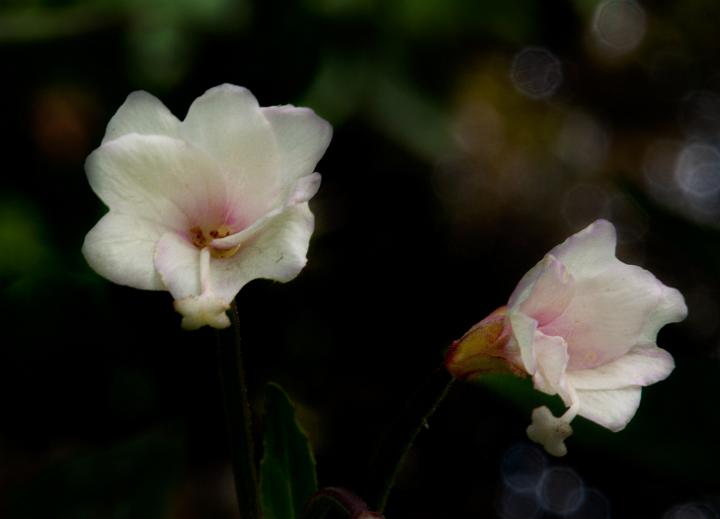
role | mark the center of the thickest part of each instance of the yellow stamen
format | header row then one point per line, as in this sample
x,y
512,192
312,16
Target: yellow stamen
x,y
224,253
202,240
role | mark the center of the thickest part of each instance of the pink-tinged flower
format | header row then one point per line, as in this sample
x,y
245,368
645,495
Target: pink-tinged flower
x,y
202,206
583,324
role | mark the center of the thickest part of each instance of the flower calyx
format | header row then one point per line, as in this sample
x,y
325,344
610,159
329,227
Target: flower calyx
x,y
483,349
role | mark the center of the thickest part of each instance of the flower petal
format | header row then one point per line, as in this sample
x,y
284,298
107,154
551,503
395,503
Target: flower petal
x,y
305,188
589,251
278,251
158,178
524,286
671,308
302,138
612,408
607,315
552,359
551,293
142,113
121,247
178,263
227,123
641,366
523,335
234,241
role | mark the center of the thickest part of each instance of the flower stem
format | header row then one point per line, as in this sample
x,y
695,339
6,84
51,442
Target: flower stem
x,y
399,438
239,418
337,501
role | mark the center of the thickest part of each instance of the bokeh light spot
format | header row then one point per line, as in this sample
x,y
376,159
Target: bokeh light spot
x,y
518,505
688,511
697,171
536,72
522,467
561,491
619,25
700,114
658,167
594,506
582,143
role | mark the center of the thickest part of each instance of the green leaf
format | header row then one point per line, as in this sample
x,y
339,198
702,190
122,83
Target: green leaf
x,y
287,470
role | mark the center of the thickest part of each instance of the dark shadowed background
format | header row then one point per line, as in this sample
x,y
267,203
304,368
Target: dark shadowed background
x,y
470,137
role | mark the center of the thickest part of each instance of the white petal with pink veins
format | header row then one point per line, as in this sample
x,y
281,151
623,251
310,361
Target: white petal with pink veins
x,y
641,366
589,251
158,178
523,334
302,139
227,123
550,294
277,252
178,262
524,286
121,248
671,308
305,188
612,408
142,113
607,314
552,359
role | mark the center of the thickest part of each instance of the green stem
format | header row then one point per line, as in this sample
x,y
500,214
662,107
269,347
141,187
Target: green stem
x,y
397,442
239,418
337,501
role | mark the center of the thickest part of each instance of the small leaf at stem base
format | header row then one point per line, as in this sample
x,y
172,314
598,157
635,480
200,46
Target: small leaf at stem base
x,y
287,470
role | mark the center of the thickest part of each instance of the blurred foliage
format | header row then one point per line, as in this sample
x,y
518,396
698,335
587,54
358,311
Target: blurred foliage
x,y
287,470
20,225
142,471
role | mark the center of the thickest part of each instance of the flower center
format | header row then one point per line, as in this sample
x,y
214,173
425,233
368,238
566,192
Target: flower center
x,y
202,239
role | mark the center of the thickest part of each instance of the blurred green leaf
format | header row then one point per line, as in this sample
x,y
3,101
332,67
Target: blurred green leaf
x,y
22,232
412,119
287,471
513,21
339,87
132,479
162,53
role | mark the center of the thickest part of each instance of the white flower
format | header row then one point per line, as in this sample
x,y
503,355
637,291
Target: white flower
x,y
202,206
583,324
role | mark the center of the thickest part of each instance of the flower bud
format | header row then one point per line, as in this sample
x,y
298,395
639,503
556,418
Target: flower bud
x,y
483,349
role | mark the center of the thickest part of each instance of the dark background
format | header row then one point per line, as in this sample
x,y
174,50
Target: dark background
x,y
470,137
